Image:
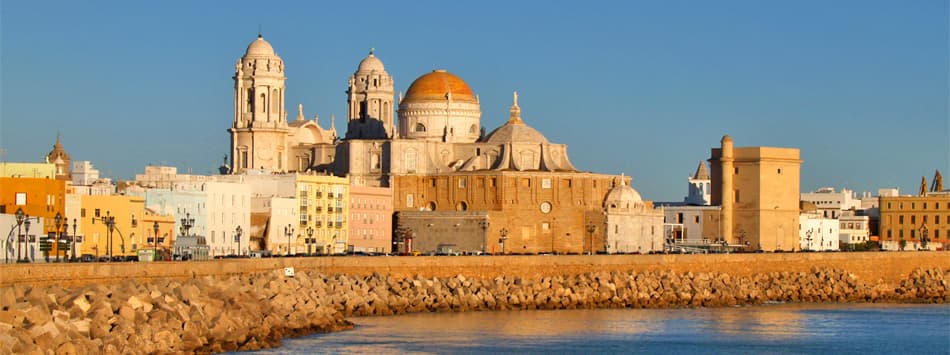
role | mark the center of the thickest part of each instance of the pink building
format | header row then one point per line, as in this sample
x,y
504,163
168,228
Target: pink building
x,y
371,219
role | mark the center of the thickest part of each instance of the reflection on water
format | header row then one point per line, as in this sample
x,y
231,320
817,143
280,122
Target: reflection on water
x,y
779,329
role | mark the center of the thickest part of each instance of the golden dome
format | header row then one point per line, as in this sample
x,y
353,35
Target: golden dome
x,y
436,85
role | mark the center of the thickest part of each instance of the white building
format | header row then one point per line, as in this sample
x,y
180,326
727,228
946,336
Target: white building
x,y
831,203
692,225
25,247
633,226
817,232
854,229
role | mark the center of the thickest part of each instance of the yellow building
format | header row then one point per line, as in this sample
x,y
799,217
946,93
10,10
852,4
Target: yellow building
x,y
907,220
324,209
30,170
128,232
758,189
166,231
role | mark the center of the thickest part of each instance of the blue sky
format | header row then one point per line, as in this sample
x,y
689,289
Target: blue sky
x,y
642,88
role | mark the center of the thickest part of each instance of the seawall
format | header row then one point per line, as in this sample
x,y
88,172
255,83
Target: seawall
x,y
883,266
184,308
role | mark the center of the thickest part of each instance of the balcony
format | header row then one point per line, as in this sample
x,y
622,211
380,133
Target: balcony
x,y
318,194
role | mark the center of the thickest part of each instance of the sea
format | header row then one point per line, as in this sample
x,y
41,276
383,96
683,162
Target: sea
x,y
762,329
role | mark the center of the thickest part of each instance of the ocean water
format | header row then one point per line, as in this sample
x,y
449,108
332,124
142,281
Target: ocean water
x,y
766,329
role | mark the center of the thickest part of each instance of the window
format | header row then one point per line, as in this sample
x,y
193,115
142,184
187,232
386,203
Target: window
x,y
462,183
900,219
409,200
913,219
780,171
925,205
889,234
913,234
472,130
679,218
97,212
420,127
936,233
737,171
82,213
737,196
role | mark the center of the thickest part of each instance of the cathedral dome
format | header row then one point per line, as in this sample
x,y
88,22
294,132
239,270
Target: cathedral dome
x,y
259,48
515,130
435,85
516,133
371,63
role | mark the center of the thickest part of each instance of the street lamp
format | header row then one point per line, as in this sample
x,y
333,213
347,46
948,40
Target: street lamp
x,y
72,240
20,218
58,220
288,231
109,220
155,240
26,248
309,239
64,236
504,237
591,228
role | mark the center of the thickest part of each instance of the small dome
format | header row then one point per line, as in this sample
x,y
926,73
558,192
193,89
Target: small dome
x,y
516,133
259,48
371,63
622,194
435,85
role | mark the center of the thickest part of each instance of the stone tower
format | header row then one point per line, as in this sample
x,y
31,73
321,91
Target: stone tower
x,y
259,131
370,99
727,190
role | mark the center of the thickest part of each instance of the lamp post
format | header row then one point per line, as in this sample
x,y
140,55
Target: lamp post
x,y
26,230
237,235
288,231
155,241
309,239
20,218
58,221
64,235
591,228
504,237
109,221
72,240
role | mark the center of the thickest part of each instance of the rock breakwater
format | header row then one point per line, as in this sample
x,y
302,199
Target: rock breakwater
x,y
243,312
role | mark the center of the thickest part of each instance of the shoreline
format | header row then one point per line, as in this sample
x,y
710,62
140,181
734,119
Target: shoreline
x,y
212,314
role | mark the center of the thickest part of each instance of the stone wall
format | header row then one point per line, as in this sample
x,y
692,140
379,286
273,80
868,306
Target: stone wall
x,y
252,311
867,266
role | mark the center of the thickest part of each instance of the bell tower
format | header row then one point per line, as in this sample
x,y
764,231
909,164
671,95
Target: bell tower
x,y
370,99
259,131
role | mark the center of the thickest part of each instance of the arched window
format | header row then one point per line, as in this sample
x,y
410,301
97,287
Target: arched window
x,y
420,127
374,161
262,103
430,206
461,206
250,101
473,129
274,101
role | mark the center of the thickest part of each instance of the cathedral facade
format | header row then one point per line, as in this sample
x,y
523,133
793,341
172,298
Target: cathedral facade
x,y
515,185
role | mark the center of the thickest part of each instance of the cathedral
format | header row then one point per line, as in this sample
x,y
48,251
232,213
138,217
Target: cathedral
x,y
453,184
